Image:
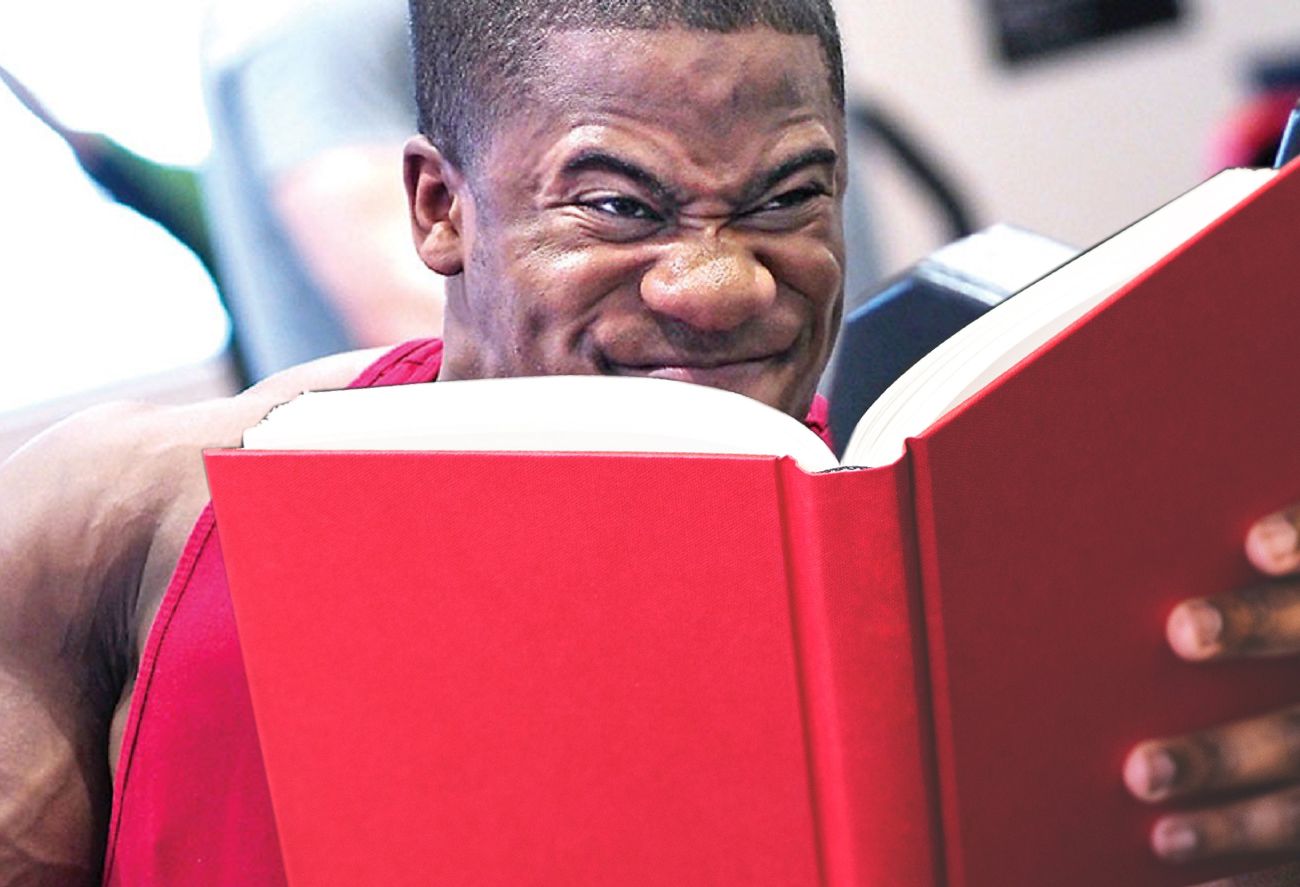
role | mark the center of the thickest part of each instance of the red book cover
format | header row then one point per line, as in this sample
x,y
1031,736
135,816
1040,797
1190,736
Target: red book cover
x,y
473,669
644,669
1063,513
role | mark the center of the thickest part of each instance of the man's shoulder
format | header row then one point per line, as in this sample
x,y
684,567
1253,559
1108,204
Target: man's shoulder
x,y
85,498
81,460
143,451
109,494
83,508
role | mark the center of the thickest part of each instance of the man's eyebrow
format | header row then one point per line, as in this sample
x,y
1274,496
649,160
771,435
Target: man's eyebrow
x,y
594,160
601,161
787,168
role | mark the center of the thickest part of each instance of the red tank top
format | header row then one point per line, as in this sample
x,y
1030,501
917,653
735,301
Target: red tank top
x,y
190,801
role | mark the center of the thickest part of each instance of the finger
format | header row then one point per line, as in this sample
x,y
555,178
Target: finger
x,y
1246,754
1273,544
1259,621
1268,824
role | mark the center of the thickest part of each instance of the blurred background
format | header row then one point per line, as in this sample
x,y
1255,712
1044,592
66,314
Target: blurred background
x,y
1070,118
1079,140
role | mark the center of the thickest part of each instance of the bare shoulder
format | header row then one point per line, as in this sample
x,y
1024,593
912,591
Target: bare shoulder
x,y
99,505
66,490
335,371
97,510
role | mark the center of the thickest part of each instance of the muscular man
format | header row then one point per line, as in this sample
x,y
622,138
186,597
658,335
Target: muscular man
x,y
655,190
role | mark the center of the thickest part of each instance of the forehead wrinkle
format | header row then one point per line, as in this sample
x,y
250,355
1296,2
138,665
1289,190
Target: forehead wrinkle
x,y
709,82
721,73
706,121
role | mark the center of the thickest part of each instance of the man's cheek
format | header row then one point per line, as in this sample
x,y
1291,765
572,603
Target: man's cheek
x,y
820,284
811,265
582,282
548,340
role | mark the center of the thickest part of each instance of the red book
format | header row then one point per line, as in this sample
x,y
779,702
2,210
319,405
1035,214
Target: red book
x,y
603,668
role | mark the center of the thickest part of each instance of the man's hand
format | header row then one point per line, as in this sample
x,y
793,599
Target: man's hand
x,y
1256,760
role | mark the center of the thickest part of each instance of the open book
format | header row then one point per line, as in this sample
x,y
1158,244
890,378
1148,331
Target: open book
x,y
666,641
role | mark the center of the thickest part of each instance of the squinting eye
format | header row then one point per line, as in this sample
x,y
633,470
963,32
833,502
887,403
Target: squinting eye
x,y
623,208
792,198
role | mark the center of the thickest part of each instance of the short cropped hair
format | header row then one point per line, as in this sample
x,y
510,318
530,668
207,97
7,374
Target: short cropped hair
x,y
475,59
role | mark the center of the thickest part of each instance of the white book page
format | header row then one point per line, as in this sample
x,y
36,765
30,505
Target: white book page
x,y
544,414
995,342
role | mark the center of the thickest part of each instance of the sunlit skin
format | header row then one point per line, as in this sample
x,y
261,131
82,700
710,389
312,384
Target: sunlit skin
x,y
668,205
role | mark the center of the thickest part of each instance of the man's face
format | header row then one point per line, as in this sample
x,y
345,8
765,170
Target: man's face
x,y
669,207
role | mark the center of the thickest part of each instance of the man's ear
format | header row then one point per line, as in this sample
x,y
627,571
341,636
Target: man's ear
x,y
435,194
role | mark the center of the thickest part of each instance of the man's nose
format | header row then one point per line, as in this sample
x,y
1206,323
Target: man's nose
x,y
711,284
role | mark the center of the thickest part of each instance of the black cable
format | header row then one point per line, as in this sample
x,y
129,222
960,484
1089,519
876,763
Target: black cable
x,y
917,161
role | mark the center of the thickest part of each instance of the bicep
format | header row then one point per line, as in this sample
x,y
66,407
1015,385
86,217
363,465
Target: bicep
x,y
60,672
54,783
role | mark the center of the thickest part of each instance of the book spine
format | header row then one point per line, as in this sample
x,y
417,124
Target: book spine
x,y
927,567
855,610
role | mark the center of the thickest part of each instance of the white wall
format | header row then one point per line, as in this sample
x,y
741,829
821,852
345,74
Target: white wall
x,y
1075,146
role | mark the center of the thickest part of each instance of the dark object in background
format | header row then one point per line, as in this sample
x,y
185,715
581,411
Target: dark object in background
x,y
1030,29
918,160
1276,72
1252,134
916,311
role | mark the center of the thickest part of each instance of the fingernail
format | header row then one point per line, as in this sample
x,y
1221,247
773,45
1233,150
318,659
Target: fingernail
x,y
1195,628
1174,840
1275,540
1151,773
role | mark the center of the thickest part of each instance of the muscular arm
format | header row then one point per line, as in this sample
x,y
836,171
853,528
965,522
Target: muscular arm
x,y
70,558
93,515
345,211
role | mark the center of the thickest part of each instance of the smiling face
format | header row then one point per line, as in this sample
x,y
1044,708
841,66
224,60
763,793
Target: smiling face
x,y
668,205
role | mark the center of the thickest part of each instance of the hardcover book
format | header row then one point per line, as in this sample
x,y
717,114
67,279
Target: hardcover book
x,y
490,645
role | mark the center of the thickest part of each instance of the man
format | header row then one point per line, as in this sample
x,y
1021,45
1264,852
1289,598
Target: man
x,y
616,188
